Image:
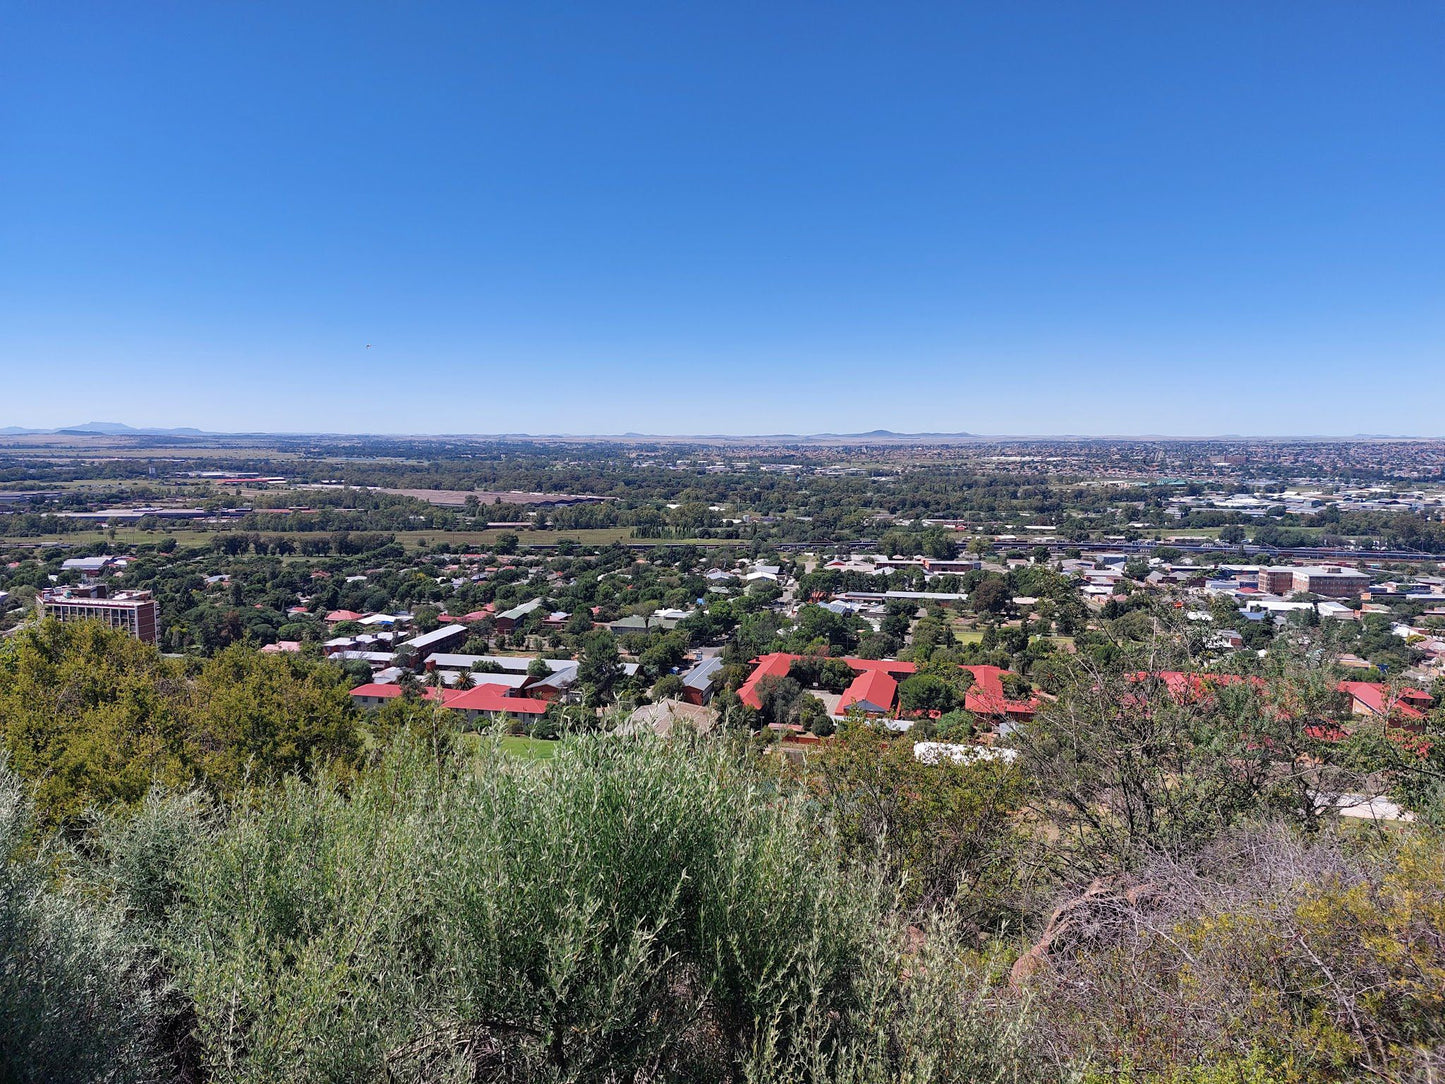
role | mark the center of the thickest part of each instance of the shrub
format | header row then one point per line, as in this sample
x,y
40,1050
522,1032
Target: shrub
x,y
1265,956
75,1000
631,908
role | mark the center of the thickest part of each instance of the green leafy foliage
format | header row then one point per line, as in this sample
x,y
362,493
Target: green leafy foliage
x,y
944,830
95,717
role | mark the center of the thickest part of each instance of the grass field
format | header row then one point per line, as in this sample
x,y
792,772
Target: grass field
x,y
515,745
532,748
125,536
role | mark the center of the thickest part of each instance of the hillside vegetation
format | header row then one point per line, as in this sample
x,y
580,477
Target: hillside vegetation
x,y
260,889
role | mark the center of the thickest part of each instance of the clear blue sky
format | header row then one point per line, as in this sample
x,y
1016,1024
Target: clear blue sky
x,y
1036,217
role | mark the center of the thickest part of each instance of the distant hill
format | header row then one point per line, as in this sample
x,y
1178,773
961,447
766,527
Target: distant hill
x,y
120,429
889,434
101,429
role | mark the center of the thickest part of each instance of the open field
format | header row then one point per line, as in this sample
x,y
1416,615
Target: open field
x,y
125,536
532,748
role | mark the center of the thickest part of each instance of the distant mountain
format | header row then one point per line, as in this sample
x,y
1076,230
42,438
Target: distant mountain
x,y
108,428
100,429
889,434
120,429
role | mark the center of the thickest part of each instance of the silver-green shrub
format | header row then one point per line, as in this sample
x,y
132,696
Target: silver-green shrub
x,y
77,1000
630,909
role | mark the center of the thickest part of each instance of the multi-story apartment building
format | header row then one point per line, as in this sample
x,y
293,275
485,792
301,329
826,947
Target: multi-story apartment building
x,y
1276,581
1331,581
134,611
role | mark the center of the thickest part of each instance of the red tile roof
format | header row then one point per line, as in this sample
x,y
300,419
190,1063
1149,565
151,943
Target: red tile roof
x,y
491,698
888,666
872,689
986,696
775,665
779,663
388,692
495,698
1188,687
1375,696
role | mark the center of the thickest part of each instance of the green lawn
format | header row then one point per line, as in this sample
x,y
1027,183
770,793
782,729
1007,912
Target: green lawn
x,y
514,745
124,536
531,748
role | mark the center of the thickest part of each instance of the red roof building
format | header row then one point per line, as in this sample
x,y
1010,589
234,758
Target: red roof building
x,y
986,695
887,666
374,695
494,700
775,665
1376,698
483,700
872,692
1186,688
779,663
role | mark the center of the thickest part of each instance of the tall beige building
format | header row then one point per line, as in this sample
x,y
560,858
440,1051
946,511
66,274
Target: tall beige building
x,y
134,611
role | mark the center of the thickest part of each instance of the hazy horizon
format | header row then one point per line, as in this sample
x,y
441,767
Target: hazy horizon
x,y
81,428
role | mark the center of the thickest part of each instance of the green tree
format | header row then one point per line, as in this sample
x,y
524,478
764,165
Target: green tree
x,y
944,829
93,717
778,697
926,692
599,667
812,715
990,595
